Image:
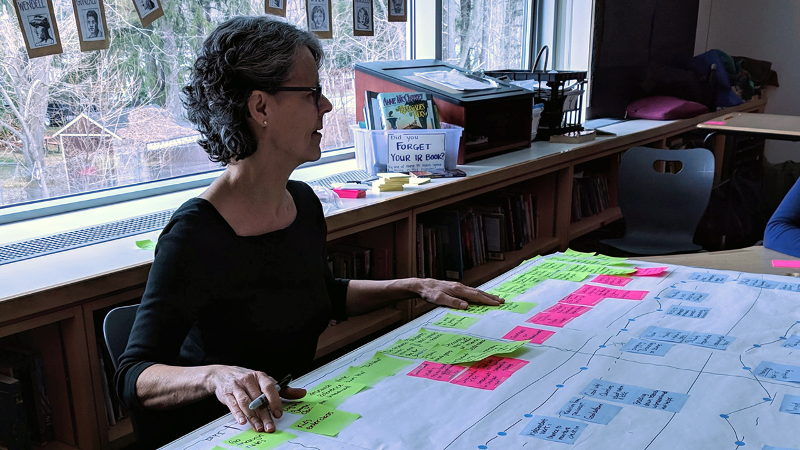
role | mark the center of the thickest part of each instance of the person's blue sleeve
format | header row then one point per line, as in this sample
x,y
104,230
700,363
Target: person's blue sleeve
x,y
783,230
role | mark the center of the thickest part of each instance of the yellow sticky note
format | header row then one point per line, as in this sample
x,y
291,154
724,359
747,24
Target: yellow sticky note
x,y
325,421
385,364
333,393
441,354
146,244
252,439
405,349
454,321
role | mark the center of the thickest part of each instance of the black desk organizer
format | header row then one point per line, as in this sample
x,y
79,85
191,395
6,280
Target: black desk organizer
x,y
555,119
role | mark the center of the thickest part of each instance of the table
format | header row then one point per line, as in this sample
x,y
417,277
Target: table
x,y
606,378
756,259
768,126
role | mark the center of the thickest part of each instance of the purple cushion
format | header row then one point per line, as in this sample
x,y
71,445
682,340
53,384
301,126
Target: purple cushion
x,y
664,108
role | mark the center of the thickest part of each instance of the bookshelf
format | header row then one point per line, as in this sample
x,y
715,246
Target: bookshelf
x,y
59,319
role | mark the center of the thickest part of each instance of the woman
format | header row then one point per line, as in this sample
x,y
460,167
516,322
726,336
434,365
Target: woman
x,y
783,230
240,290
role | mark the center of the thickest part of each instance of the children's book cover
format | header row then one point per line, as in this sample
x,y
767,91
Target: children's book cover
x,y
407,110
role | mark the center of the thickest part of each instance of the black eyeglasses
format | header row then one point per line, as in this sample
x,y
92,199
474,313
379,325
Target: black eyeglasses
x,y
316,91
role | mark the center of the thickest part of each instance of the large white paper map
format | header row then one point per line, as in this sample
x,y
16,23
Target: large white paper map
x,y
706,359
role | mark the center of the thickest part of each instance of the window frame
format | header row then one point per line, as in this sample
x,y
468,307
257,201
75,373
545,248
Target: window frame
x,y
418,45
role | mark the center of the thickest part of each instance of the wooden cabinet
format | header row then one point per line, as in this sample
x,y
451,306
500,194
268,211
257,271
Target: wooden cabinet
x,y
62,322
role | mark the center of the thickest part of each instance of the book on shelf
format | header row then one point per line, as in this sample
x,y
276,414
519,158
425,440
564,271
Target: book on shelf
x,y
28,367
407,110
13,421
589,196
350,261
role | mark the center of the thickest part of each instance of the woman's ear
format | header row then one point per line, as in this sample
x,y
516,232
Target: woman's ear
x,y
257,106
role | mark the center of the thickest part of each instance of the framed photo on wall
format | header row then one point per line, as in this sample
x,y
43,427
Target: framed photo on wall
x,y
398,10
90,17
363,18
275,7
38,26
318,16
148,10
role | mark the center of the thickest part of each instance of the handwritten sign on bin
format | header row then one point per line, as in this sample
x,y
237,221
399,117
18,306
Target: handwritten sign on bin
x,y
423,151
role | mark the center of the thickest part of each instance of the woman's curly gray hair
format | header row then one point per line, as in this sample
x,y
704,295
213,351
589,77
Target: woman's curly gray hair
x,y
241,55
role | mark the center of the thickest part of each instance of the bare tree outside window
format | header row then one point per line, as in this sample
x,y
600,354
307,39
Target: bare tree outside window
x,y
78,122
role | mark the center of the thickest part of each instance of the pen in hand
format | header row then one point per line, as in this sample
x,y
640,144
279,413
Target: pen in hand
x,y
257,403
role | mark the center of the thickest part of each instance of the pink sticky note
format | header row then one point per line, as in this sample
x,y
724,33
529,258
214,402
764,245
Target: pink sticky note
x,y
582,299
569,310
551,319
792,264
612,280
630,295
588,289
535,335
480,379
715,122
649,272
436,371
499,365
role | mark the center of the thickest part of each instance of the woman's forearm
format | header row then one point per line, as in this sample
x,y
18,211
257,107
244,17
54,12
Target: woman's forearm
x,y
364,296
165,387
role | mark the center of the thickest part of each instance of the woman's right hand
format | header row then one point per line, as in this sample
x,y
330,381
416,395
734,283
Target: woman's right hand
x,y
236,387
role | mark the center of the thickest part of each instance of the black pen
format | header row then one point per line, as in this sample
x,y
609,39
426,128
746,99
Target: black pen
x,y
283,384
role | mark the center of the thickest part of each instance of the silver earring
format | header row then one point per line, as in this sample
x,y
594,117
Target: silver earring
x,y
265,123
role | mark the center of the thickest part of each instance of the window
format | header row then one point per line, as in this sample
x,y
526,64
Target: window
x,y
82,122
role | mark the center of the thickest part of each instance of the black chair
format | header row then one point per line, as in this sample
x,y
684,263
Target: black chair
x,y
662,209
116,329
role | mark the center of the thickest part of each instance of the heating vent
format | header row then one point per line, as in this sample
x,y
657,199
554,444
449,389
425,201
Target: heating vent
x,y
55,243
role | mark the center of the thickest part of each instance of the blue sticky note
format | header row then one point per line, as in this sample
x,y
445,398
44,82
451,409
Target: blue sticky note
x,y
790,404
792,342
614,392
791,287
647,347
661,400
693,312
755,282
554,429
664,334
708,277
709,340
689,296
779,372
589,410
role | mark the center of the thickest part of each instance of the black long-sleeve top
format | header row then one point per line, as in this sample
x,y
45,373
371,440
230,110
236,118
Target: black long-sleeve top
x,y
213,297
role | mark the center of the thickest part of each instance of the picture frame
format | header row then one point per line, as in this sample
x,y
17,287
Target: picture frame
x,y
363,18
397,10
90,18
318,18
148,10
39,28
275,7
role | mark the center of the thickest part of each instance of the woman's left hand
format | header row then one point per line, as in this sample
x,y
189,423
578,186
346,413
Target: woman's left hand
x,y
454,294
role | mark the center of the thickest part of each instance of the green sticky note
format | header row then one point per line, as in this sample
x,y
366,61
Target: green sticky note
x,y
385,364
146,244
405,349
568,275
252,439
517,307
552,266
429,338
454,321
532,259
468,343
333,393
479,309
325,421
360,375
441,354
499,348
512,287
574,253
503,295
302,408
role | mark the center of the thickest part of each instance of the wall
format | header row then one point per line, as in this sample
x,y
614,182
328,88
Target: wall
x,y
767,30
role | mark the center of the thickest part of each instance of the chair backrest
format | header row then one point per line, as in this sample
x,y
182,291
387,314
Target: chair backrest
x,y
116,329
664,207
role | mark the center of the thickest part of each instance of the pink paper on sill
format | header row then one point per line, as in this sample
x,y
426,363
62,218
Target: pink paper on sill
x,y
788,263
582,299
534,335
436,371
480,379
649,272
715,122
612,280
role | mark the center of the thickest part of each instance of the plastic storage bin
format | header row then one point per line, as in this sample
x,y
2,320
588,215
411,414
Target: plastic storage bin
x,y
372,151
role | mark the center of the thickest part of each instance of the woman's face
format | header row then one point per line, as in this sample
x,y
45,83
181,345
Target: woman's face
x,y
294,118
91,25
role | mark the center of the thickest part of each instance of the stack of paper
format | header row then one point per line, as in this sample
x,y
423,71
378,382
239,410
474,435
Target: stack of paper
x,y
390,182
